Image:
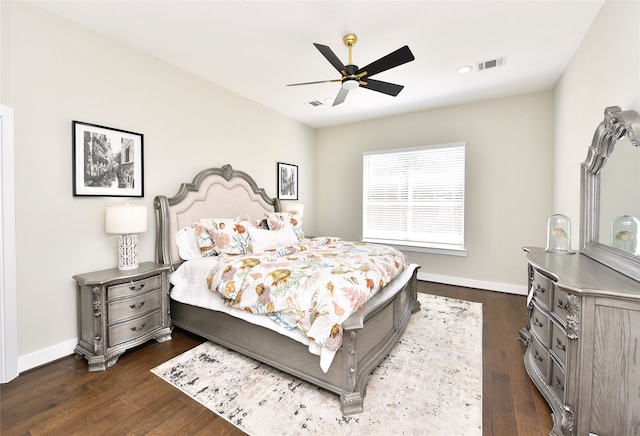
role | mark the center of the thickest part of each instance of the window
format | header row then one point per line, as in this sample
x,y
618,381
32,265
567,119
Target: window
x,y
414,197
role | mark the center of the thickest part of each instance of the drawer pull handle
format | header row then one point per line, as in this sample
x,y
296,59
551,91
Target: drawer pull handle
x,y
540,289
560,346
133,287
563,305
538,356
537,322
559,384
139,306
133,329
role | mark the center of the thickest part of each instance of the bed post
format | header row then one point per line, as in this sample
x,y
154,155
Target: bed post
x,y
415,306
163,250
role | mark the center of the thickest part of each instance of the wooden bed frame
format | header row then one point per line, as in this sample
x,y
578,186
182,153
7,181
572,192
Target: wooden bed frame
x,y
368,335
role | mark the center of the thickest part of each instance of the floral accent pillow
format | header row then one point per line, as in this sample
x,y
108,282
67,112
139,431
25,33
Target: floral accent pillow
x,y
278,220
223,235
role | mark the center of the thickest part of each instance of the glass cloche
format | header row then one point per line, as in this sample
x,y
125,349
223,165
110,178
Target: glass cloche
x,y
559,234
624,233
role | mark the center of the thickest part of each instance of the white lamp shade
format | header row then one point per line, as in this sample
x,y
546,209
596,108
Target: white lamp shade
x,y
125,219
296,208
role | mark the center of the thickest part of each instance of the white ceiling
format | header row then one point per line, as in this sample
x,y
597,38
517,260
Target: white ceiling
x,y
255,48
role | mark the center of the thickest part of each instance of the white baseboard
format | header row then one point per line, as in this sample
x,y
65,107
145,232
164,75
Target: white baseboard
x,y
471,283
47,355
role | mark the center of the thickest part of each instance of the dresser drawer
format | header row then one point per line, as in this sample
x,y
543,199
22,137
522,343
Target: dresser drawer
x,y
133,329
133,287
540,358
557,379
540,324
559,342
561,304
127,308
542,288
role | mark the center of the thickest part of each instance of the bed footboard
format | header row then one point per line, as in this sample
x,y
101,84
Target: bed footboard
x,y
369,337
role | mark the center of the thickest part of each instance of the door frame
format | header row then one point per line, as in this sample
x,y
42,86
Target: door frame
x,y
8,294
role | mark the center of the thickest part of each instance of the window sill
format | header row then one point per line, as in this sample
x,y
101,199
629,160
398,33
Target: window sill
x,y
420,249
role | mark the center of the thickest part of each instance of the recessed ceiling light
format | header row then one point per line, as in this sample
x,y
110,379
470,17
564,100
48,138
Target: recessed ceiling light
x,y
465,69
328,100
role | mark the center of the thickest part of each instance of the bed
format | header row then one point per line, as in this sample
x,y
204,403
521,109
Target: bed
x,y
368,334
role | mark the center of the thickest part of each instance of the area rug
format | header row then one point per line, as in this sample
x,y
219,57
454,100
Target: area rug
x,y
430,384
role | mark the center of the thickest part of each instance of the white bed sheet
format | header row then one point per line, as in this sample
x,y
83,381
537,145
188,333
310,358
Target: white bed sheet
x,y
190,287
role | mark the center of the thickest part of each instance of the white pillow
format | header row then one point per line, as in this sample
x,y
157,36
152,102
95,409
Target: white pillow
x,y
187,243
263,240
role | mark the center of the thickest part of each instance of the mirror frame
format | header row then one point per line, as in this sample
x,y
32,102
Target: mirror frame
x,y
616,125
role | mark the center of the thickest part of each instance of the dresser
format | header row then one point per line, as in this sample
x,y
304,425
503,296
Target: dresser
x,y
582,341
118,310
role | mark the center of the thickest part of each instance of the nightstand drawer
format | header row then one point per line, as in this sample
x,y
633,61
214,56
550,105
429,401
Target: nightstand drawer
x,y
129,330
126,289
121,310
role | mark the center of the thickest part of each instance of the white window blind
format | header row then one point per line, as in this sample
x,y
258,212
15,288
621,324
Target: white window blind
x,y
415,197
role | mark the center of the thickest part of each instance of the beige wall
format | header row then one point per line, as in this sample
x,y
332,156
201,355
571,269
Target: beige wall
x,y
508,181
53,72
605,71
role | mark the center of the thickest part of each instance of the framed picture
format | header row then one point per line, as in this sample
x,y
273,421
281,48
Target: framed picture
x,y
287,181
107,162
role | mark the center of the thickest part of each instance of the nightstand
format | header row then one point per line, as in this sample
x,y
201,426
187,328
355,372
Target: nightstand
x,y
118,310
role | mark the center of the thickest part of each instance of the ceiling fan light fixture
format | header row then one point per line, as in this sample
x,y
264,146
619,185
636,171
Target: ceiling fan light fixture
x,y
350,84
353,77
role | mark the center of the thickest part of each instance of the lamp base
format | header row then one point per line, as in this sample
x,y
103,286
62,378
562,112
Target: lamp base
x,y
127,251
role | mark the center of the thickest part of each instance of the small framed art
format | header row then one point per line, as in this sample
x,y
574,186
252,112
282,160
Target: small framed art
x,y
287,181
107,162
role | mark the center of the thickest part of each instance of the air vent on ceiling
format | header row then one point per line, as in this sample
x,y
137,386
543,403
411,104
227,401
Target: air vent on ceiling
x,y
314,103
492,63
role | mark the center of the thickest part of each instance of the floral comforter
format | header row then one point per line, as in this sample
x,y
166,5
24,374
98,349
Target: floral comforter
x,y
313,286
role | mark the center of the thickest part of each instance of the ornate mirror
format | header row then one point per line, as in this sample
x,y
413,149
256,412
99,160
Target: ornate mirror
x,y
610,185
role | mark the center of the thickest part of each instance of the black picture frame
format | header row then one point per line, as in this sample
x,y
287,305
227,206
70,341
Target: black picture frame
x,y
107,162
287,181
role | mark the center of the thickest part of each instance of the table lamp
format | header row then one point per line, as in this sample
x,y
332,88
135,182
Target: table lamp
x,y
126,220
295,208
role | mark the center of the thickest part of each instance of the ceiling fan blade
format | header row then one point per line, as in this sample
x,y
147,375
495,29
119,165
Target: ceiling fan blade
x,y
380,86
342,94
331,57
398,57
314,83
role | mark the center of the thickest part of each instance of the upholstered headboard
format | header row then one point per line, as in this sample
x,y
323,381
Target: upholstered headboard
x,y
214,192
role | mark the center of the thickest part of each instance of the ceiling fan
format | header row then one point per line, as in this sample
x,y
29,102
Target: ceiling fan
x,y
353,77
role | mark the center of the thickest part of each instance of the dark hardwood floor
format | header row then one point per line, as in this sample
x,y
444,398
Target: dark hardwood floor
x,y
63,398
